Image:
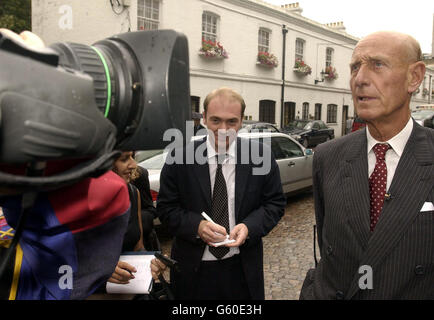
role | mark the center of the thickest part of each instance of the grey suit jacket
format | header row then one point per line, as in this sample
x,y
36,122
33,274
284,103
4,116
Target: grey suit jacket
x,y
400,250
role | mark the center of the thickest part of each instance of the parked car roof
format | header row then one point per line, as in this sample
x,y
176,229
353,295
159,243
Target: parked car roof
x,y
249,125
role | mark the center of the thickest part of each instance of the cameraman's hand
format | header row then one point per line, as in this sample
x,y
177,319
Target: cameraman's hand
x,y
26,37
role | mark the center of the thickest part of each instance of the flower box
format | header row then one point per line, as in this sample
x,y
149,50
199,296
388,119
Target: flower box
x,y
212,50
301,68
266,59
330,73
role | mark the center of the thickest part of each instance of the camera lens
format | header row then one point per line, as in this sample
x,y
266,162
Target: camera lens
x,y
141,83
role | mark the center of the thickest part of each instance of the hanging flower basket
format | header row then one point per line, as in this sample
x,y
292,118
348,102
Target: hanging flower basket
x,y
330,73
212,49
302,68
267,59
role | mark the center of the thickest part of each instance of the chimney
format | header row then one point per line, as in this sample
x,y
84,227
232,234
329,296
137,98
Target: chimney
x,y
336,25
292,7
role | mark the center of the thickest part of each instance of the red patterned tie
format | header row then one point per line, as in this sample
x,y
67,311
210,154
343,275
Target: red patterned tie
x,y
377,183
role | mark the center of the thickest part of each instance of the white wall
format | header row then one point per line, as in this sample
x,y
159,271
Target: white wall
x,y
239,24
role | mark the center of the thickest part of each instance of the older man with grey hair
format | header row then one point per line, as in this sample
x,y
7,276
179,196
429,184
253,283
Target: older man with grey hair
x,y
373,189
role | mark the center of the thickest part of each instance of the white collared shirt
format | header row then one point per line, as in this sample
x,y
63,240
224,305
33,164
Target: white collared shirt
x,y
393,155
228,169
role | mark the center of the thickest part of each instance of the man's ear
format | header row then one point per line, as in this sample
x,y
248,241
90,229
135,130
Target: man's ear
x,y
416,75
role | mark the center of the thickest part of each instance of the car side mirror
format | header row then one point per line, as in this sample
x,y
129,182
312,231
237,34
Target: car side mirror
x,y
308,152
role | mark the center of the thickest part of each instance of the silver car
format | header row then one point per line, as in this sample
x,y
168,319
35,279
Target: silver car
x,y
294,161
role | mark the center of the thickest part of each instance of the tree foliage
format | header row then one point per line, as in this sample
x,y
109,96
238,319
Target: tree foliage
x,y
15,15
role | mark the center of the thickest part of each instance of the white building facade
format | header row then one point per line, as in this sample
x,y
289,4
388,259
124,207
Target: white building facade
x,y
244,28
425,94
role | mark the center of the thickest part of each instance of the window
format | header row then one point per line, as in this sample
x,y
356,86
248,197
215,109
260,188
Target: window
x,y
332,113
305,111
148,14
263,40
318,107
209,26
267,109
195,103
329,57
285,148
299,49
289,112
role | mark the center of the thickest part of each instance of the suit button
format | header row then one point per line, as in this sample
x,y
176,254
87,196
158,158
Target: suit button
x,y
340,295
196,269
419,270
329,250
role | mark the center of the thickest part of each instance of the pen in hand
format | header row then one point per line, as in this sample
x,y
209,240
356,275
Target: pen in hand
x,y
207,218
132,276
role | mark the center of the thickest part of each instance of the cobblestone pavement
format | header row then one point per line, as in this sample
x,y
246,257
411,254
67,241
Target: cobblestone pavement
x,y
288,249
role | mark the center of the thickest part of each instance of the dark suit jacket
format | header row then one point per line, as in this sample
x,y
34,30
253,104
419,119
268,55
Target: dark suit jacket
x,y
400,251
148,211
185,192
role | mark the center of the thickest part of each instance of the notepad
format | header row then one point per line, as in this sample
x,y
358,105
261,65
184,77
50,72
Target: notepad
x,y
142,282
226,241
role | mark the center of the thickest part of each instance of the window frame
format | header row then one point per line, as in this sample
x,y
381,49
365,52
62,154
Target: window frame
x,y
206,34
265,46
267,111
143,20
329,56
299,43
305,111
332,113
318,111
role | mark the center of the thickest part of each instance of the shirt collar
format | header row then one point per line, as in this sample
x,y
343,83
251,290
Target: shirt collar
x,y
397,143
212,152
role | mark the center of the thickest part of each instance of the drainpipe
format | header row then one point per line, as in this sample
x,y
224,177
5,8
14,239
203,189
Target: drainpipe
x,y
430,89
282,97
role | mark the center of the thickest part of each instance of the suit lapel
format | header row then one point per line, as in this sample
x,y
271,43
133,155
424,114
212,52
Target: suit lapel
x,y
410,188
242,172
201,171
356,188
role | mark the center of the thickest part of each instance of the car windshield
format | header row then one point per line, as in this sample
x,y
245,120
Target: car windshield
x,y
420,115
301,125
154,163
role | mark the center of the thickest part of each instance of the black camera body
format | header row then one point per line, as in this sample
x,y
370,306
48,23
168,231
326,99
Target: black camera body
x,y
73,101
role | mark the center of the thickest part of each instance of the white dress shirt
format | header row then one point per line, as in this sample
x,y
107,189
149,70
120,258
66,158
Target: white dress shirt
x,y
393,155
228,169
